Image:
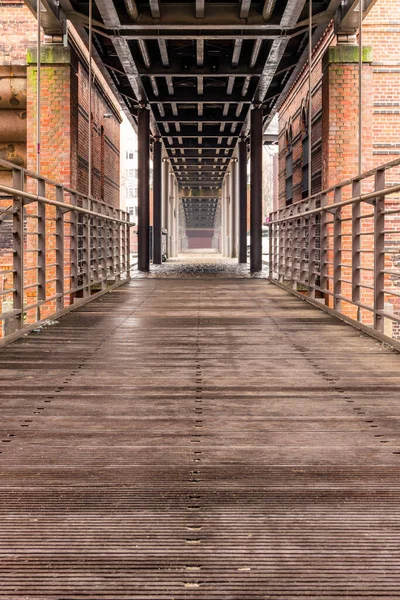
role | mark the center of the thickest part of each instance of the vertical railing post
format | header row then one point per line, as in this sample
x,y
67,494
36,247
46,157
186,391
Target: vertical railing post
x,y
302,249
112,245
95,242
118,228
356,248
123,245
276,246
86,249
271,245
41,248
18,251
73,247
312,236
128,247
288,242
379,252
323,245
293,250
103,248
337,251
59,250
281,244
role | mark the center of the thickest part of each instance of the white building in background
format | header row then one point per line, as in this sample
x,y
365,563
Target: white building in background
x,y
129,169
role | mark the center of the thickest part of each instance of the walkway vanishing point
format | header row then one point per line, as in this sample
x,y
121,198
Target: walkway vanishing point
x,y
199,438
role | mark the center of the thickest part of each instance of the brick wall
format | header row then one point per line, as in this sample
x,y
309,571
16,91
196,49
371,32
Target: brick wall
x,y
335,132
64,130
18,31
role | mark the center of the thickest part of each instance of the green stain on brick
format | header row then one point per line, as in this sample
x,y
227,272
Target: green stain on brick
x,y
346,53
50,54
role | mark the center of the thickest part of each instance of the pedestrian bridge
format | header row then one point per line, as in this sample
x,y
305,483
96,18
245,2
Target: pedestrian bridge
x,y
204,434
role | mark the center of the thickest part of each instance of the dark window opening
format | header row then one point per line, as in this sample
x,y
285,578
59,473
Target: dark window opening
x,y
289,168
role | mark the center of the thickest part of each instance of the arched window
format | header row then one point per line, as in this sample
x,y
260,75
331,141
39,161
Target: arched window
x,y
289,165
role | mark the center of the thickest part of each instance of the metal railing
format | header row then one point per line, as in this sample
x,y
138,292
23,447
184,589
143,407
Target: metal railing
x,y
60,248
341,248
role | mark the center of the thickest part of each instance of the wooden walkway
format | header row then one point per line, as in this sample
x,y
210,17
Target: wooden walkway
x,y
199,439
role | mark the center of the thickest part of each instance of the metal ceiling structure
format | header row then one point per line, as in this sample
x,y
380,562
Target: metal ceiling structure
x,y
200,65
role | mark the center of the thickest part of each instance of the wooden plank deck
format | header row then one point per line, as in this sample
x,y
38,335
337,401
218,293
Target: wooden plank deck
x,y
199,439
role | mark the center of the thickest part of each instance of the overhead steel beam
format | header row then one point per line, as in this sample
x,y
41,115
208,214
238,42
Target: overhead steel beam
x,y
203,119
245,8
111,19
52,17
189,96
268,9
347,15
199,9
155,9
224,69
173,15
331,13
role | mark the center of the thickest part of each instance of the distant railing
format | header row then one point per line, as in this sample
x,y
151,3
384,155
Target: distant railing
x,y
58,249
341,248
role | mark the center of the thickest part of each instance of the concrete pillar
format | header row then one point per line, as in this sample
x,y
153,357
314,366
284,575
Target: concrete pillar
x,y
157,208
234,211
143,189
256,190
242,192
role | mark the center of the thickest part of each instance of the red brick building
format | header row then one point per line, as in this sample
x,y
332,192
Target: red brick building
x,y
64,123
335,127
335,108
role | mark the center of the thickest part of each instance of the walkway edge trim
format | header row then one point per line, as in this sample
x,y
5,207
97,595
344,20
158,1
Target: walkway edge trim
x,y
380,337
77,304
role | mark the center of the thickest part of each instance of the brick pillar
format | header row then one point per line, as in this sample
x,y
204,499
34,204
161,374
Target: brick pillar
x,y
58,153
340,112
340,134
59,105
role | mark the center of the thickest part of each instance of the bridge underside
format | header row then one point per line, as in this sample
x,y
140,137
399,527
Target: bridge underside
x,y
232,443
201,81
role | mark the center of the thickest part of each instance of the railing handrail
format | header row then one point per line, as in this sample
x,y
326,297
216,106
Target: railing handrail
x,y
327,207
64,205
340,185
13,167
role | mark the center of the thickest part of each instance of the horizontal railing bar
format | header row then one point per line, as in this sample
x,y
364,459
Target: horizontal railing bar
x,y
392,293
64,205
51,182
383,313
6,292
336,205
7,272
32,285
9,314
31,269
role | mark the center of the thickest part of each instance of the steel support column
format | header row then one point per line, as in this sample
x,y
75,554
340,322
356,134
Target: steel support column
x,y
228,212
256,190
165,188
176,218
143,189
234,198
171,189
157,208
242,189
